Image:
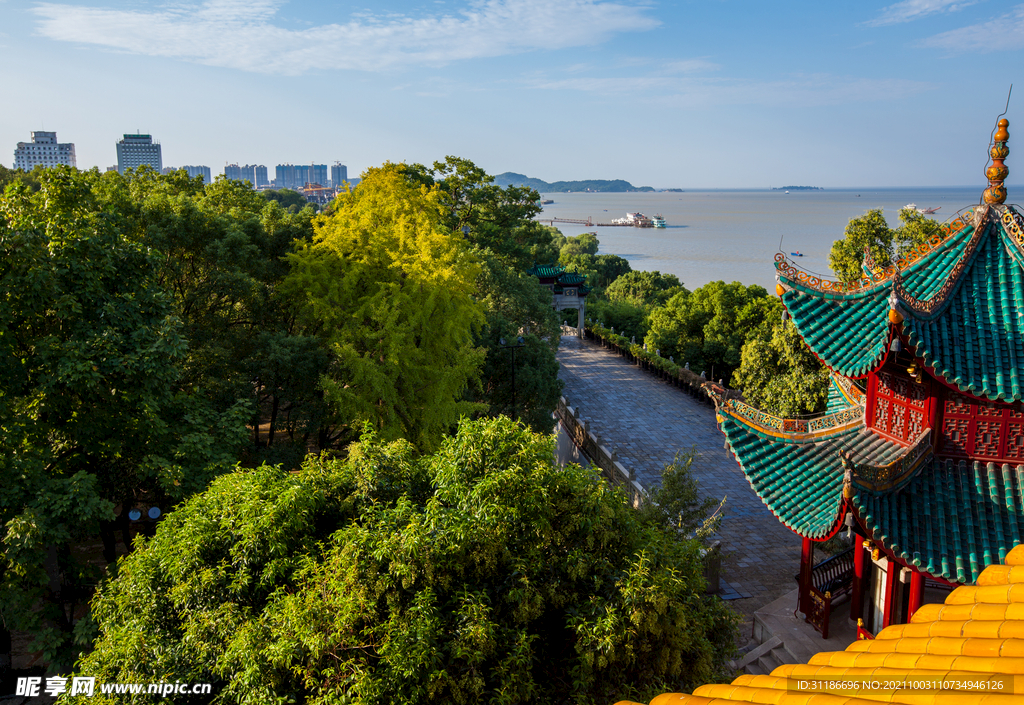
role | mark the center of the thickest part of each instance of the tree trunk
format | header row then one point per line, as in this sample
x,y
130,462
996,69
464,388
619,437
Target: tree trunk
x,y
273,420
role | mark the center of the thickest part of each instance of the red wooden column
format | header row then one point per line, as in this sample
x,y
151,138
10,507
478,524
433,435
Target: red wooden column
x,y
916,593
890,590
806,551
857,598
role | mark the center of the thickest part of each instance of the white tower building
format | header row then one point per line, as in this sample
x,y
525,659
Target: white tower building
x,y
44,150
139,150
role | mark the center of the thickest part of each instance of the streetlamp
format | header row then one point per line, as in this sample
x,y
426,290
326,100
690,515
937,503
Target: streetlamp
x,y
521,344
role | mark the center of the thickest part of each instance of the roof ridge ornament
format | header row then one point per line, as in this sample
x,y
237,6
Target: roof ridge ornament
x,y
896,311
997,173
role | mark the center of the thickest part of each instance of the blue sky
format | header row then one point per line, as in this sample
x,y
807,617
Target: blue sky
x,y
711,93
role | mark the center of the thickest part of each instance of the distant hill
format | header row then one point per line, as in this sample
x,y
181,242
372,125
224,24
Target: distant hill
x,y
615,186
798,188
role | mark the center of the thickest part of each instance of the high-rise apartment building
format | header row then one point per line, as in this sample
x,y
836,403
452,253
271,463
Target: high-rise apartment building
x,y
139,150
194,171
317,174
253,173
339,174
296,176
260,173
45,151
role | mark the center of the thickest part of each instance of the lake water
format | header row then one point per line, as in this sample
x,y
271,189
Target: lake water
x,y
734,235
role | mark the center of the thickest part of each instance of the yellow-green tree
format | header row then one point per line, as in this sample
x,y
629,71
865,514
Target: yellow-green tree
x,y
390,287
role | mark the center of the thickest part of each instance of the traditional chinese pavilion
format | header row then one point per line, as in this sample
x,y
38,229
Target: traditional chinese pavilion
x,y
921,451
568,289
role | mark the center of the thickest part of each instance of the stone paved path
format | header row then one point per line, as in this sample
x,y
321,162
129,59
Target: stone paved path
x,y
647,422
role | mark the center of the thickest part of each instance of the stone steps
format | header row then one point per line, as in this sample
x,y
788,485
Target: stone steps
x,y
784,638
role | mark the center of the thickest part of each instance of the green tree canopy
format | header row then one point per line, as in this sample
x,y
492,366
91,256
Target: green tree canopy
x,y
499,220
642,288
628,319
497,224
707,327
778,373
579,254
480,574
292,201
93,408
517,305
390,289
222,250
582,244
886,244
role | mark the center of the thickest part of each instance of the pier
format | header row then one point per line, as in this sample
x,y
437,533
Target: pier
x,y
589,222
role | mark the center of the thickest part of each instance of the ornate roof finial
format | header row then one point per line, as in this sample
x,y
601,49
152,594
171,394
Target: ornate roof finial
x,y
996,192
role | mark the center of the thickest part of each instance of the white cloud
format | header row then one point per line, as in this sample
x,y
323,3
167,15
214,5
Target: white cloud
x,y
799,91
240,33
1003,33
909,10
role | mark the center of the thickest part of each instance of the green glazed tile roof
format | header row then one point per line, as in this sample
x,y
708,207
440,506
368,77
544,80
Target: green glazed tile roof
x,y
802,482
545,270
848,334
976,342
951,520
570,278
837,399
973,334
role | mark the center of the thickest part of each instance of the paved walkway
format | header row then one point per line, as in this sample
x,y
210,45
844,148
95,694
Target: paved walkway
x,y
647,422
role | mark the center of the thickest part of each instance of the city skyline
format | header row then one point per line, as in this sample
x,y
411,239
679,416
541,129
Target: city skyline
x,y
687,95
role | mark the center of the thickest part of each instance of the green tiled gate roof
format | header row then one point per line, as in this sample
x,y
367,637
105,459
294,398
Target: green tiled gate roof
x,y
801,482
545,270
951,520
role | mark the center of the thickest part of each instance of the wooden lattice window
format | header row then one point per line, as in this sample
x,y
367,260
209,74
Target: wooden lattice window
x,y
984,430
901,406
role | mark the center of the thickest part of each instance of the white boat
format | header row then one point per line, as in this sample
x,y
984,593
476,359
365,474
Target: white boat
x,y
637,220
923,211
658,221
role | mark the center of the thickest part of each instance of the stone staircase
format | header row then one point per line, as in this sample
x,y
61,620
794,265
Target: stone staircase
x,y
780,637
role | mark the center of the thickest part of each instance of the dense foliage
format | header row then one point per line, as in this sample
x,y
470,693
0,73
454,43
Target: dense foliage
x,y
389,287
292,201
97,408
155,331
481,573
707,328
642,288
778,373
497,225
885,244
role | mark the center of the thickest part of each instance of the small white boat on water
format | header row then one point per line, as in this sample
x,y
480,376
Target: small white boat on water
x,y
658,221
923,211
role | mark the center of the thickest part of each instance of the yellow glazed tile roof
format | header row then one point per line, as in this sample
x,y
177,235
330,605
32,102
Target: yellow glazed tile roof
x,y
976,637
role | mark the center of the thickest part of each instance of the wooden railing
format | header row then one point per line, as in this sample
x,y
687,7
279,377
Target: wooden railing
x,y
830,580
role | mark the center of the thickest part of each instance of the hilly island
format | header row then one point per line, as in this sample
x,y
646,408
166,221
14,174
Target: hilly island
x,y
599,185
